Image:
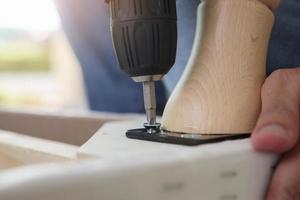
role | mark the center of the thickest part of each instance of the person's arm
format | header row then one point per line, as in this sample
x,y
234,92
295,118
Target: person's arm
x,y
278,130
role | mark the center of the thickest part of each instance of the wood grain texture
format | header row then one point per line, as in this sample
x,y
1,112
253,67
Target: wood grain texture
x,y
219,91
272,4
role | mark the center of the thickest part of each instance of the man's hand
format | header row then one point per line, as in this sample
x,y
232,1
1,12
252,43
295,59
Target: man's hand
x,y
278,131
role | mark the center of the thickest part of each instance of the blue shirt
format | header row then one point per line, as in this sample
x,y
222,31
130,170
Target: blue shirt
x,y
86,24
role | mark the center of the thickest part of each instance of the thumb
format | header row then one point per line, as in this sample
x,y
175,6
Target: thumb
x,y
277,129
286,179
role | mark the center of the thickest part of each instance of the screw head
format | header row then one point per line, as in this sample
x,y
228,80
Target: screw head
x,y
152,127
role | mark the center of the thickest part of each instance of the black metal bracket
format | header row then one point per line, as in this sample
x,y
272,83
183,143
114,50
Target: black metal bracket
x,y
182,139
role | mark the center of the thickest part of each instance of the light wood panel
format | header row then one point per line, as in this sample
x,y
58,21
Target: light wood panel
x,y
71,127
19,150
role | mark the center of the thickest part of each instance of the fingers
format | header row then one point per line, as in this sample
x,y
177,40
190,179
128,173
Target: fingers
x,y
286,180
277,129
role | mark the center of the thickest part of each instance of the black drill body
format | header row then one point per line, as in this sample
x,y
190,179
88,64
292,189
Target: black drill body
x,y
144,35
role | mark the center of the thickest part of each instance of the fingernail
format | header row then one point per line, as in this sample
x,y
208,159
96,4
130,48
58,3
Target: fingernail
x,y
273,129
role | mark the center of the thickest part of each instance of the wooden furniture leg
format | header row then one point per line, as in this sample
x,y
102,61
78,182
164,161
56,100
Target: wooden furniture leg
x,y
219,91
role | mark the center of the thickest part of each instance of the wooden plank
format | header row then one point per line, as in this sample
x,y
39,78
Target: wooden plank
x,y
7,162
135,169
17,149
225,170
68,127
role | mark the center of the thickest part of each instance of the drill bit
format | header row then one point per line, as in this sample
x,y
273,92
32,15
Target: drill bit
x,y
150,106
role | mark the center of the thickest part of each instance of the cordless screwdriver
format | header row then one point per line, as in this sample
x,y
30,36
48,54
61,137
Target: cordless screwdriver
x,y
144,34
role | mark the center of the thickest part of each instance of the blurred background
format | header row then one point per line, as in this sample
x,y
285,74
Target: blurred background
x,y
38,68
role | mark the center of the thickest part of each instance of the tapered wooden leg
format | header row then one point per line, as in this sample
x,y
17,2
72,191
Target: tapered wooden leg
x,y
219,91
